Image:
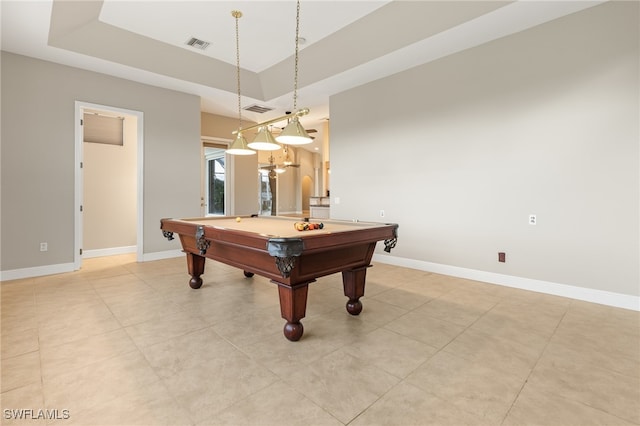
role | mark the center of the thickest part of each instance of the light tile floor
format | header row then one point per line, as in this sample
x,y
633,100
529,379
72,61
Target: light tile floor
x,y
124,343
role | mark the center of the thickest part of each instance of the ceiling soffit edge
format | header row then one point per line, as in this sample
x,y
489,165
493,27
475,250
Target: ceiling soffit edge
x,y
75,26
356,44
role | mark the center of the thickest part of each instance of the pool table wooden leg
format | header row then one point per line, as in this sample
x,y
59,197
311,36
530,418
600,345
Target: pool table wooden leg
x,y
353,282
293,307
196,268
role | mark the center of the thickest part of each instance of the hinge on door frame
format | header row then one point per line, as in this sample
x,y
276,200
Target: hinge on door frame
x,y
81,122
80,252
81,208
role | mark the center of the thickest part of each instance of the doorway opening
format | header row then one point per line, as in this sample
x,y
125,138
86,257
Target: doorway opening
x,y
215,182
108,182
216,196
268,183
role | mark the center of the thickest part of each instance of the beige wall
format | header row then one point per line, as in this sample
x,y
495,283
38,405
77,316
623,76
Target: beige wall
x,y
287,194
37,176
307,161
543,122
217,126
245,185
111,192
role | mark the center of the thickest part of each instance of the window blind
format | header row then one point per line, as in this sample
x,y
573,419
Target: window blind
x,y
103,129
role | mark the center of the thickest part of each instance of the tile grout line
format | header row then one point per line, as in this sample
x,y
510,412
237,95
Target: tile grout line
x,y
403,379
526,380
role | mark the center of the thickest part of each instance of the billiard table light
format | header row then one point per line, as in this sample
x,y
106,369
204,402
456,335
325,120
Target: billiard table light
x,y
294,134
264,141
239,147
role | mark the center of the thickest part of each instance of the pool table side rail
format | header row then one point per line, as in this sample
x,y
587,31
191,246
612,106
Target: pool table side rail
x,y
312,241
323,254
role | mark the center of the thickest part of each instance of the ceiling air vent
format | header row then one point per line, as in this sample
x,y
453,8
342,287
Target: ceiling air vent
x,y
258,108
197,43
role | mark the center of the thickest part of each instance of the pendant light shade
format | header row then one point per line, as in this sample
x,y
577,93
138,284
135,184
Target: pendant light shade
x,y
264,141
239,146
294,134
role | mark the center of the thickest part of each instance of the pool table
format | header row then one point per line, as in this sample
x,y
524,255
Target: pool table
x,y
272,247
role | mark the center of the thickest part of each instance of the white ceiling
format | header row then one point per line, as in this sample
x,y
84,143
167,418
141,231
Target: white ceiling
x,y
264,41
348,43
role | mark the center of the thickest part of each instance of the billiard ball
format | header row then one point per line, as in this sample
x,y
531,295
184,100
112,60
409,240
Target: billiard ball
x,y
238,219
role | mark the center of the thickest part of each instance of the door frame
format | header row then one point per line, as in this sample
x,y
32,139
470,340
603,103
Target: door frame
x,y
80,106
229,171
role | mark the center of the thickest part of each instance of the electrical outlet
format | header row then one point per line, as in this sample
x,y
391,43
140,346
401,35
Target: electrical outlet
x,y
336,200
44,247
381,213
532,219
502,257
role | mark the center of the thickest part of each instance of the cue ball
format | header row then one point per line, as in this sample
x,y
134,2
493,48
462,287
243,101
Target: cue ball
x,y
238,219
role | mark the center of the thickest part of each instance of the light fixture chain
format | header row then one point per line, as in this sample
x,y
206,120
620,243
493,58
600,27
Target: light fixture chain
x,y
295,75
237,14
293,133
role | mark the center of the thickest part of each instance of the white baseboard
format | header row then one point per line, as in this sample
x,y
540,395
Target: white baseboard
x,y
37,271
88,254
160,255
602,297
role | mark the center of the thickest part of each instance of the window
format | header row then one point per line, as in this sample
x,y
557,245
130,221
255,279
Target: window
x,y
215,181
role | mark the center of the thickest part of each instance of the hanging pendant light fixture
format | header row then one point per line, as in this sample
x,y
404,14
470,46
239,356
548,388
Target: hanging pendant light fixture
x,y
239,145
294,133
264,141
287,159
